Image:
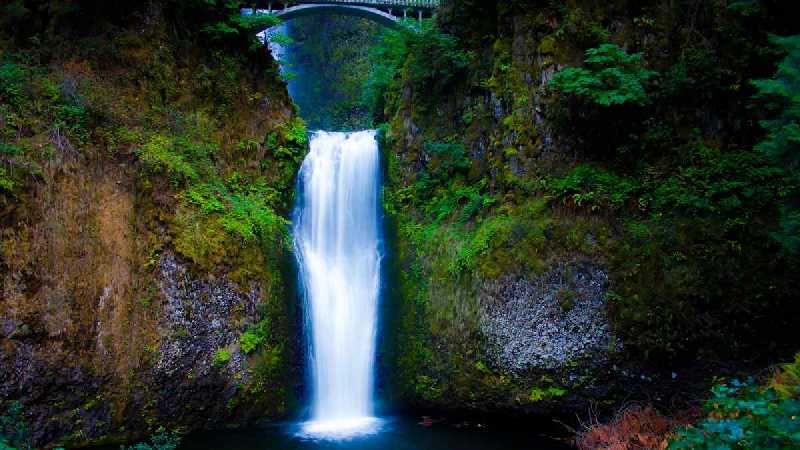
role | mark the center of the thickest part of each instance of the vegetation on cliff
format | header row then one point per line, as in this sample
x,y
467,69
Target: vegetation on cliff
x,y
130,133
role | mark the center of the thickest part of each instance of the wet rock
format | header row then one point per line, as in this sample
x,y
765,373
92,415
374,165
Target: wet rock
x,y
200,317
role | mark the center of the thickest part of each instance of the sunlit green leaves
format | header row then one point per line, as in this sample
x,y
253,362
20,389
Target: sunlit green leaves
x,y
611,77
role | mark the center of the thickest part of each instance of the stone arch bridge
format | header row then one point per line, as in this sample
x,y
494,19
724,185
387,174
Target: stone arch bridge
x,y
390,13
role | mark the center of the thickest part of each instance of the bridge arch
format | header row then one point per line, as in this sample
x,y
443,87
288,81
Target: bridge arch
x,y
374,14
385,12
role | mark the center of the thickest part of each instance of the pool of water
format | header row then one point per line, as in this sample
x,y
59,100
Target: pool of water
x,y
391,434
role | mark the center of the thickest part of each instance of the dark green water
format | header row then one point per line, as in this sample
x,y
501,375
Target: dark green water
x,y
395,434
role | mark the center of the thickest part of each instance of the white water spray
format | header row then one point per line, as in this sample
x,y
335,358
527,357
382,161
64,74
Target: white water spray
x,y
336,237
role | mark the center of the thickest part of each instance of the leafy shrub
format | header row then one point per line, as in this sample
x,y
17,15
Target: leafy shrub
x,y
231,22
746,415
538,394
600,106
435,59
243,210
387,56
161,155
697,255
249,341
581,27
735,185
469,199
267,366
445,161
8,149
254,337
12,83
611,77
696,77
508,240
251,218
491,233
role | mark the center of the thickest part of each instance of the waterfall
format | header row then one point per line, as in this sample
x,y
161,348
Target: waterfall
x,y
336,237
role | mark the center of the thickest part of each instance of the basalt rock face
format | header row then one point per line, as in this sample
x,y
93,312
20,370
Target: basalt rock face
x,y
200,317
547,321
123,297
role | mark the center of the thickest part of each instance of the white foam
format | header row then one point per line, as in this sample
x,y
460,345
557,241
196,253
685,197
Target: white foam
x,y
337,429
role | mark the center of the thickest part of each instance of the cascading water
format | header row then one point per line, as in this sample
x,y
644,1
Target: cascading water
x,y
336,237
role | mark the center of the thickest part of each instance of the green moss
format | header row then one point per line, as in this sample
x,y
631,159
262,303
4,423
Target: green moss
x,y
547,45
538,394
221,357
161,155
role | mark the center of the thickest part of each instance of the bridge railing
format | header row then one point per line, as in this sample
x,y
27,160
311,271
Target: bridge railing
x,y
416,4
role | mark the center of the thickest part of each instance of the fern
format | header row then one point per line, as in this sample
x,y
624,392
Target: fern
x,y
611,77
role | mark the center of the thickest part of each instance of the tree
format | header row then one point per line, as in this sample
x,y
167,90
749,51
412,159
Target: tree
x,y
780,97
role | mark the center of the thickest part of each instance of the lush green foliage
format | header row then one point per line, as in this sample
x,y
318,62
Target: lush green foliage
x,y
593,188
601,104
221,357
429,59
611,77
746,415
780,96
215,212
696,200
12,83
688,255
162,440
254,337
242,207
161,155
387,56
13,429
434,59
